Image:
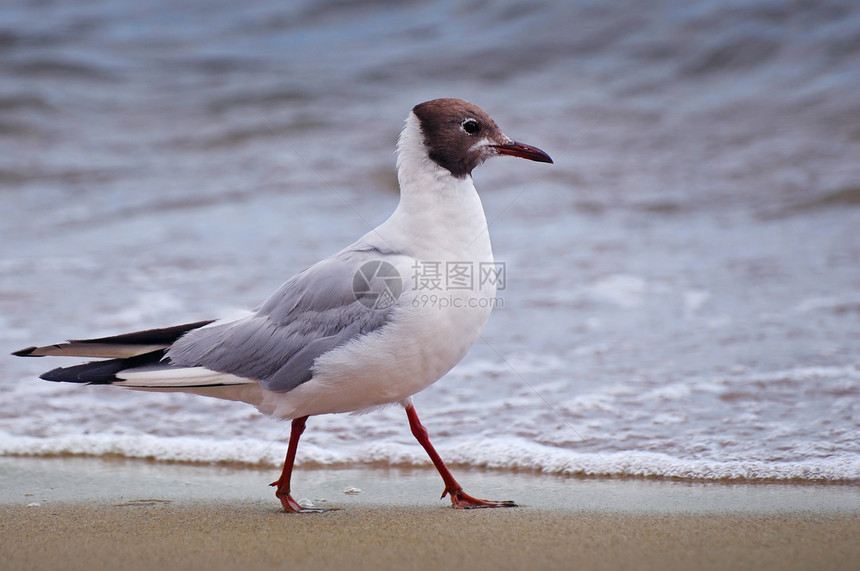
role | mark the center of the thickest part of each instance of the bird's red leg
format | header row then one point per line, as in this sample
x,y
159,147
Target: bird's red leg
x,y
283,483
459,498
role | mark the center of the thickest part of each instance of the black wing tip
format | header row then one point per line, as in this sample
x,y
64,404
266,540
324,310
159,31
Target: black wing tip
x,y
28,352
162,335
81,374
100,372
59,375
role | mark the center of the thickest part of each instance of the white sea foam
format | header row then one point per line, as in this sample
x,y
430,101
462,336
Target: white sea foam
x,y
733,427
494,454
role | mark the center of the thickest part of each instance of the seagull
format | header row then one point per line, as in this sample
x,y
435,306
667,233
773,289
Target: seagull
x,y
356,330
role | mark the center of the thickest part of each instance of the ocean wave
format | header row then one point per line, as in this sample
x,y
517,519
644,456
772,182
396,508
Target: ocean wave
x,y
500,454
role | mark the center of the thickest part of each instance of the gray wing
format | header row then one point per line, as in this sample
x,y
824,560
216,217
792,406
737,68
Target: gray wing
x,y
312,313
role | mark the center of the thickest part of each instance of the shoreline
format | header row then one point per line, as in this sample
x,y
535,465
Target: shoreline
x,y
132,514
310,466
25,480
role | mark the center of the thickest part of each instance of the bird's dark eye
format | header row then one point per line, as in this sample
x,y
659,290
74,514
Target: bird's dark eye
x,y
470,126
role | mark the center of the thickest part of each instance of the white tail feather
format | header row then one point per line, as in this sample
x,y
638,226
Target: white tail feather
x,y
159,377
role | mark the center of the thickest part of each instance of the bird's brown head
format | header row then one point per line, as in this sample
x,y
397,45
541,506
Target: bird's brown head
x,y
459,136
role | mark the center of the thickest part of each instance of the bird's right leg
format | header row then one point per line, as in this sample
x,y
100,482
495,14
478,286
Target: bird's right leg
x,y
283,483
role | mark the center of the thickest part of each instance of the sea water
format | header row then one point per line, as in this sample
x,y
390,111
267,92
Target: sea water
x,y
682,286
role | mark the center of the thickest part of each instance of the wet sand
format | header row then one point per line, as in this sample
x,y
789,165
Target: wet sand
x,y
255,535
87,513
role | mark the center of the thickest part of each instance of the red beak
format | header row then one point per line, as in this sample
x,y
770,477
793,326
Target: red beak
x,y
523,151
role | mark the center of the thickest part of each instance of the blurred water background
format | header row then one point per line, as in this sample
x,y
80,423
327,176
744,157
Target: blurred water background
x,y
683,285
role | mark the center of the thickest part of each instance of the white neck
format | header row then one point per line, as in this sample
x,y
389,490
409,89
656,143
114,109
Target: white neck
x,y
438,215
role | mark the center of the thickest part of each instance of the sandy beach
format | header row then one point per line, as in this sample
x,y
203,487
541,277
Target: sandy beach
x,y
80,513
256,535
